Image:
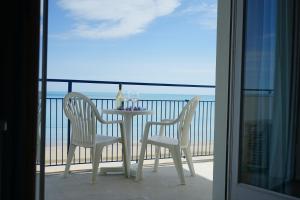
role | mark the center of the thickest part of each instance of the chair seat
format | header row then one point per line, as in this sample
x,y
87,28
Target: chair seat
x,y
162,141
106,140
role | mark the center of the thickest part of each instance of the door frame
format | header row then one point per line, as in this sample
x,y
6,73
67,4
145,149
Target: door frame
x,y
223,65
40,186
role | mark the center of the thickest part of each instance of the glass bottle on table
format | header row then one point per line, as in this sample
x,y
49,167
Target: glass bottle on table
x,y
120,99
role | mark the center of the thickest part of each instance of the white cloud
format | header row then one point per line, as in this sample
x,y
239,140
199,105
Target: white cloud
x,y
114,18
206,14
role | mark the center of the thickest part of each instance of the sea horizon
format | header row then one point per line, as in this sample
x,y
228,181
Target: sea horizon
x,y
142,96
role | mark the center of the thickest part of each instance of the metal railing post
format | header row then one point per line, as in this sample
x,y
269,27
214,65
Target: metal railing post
x,y
69,123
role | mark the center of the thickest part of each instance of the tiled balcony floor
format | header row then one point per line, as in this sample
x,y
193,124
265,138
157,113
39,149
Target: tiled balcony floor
x,y
162,185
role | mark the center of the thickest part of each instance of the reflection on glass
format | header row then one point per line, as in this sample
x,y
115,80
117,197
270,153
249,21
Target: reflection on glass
x,y
269,131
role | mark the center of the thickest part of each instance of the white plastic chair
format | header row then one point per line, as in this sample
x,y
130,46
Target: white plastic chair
x,y
174,145
83,114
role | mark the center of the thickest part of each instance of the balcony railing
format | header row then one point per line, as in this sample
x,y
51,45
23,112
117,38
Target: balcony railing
x,y
58,131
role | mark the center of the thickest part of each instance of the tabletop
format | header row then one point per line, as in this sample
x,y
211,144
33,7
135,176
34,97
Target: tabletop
x,y
132,112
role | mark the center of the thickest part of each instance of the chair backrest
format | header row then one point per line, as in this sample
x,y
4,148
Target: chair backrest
x,y
185,119
83,114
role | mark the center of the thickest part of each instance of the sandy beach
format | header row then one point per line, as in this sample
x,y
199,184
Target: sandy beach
x,y
57,154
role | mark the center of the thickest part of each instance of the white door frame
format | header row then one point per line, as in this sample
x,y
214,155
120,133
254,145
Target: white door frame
x,y
222,99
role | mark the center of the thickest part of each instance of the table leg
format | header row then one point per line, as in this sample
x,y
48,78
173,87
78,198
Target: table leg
x,y
128,133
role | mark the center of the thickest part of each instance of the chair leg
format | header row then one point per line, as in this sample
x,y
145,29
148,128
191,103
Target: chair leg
x,y
96,161
156,162
175,151
92,154
189,160
71,152
139,172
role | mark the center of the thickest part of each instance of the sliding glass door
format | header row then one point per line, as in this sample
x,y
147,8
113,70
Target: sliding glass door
x,y
265,99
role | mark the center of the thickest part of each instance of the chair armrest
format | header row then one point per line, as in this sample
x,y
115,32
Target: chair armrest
x,y
164,122
121,123
112,122
169,121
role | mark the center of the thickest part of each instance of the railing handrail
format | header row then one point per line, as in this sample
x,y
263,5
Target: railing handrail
x,y
145,100
129,83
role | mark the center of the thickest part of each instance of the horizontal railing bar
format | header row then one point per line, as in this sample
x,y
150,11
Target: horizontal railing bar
x,y
129,83
145,100
258,90
167,100
60,98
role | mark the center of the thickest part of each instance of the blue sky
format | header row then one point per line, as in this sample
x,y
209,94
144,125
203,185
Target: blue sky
x,y
168,41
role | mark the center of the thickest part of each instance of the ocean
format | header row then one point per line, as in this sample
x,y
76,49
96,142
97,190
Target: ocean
x,y
142,96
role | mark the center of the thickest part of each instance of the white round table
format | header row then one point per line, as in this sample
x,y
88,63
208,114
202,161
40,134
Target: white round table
x,y
127,117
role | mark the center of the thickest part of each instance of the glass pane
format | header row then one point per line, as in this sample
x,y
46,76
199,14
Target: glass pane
x,y
269,134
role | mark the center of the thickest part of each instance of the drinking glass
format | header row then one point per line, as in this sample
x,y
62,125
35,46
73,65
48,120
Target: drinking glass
x,y
126,99
134,99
